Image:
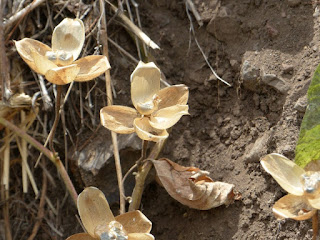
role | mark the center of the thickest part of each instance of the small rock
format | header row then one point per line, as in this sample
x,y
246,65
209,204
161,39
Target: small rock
x,y
258,149
301,104
287,68
277,83
224,26
293,3
235,64
250,75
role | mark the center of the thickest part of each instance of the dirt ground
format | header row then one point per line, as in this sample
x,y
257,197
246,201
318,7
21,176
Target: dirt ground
x,y
267,51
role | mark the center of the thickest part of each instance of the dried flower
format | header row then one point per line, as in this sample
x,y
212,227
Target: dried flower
x,y
58,63
100,223
155,110
303,188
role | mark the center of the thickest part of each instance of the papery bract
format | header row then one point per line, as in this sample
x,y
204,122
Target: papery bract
x,y
100,223
58,63
155,110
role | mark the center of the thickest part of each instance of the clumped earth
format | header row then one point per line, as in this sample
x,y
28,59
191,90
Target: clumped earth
x,y
267,51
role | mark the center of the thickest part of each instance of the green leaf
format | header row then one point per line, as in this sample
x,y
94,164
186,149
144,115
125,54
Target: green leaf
x,y
308,147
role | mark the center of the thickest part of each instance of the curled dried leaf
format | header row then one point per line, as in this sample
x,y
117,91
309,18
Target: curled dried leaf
x,y
192,187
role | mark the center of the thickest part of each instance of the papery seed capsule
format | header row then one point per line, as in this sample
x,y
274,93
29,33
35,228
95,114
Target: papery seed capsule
x,y
64,58
52,56
310,181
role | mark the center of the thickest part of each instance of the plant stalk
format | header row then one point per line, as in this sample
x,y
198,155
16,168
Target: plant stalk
x,y
315,228
56,119
142,175
104,37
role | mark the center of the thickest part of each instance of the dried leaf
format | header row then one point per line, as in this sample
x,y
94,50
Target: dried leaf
x,y
192,187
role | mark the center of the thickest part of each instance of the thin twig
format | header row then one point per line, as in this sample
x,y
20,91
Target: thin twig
x,y
196,14
24,156
202,52
104,35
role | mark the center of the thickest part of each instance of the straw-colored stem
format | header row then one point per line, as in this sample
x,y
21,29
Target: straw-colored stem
x,y
137,31
315,227
142,175
24,156
6,162
116,154
64,175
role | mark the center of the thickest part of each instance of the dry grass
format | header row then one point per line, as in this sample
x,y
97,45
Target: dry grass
x,y
41,213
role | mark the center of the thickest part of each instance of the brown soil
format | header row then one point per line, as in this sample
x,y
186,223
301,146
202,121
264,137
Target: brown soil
x,y
229,128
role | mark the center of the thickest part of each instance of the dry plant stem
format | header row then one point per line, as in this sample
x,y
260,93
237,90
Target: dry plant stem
x,y
57,162
202,52
195,12
142,175
22,13
24,156
315,227
4,66
5,212
40,214
137,31
6,162
104,36
56,120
